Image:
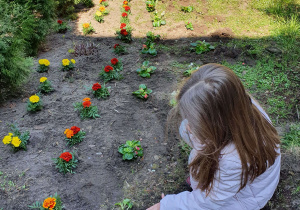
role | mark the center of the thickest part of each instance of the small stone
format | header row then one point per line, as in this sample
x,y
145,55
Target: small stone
x,y
91,146
156,157
154,166
274,50
99,153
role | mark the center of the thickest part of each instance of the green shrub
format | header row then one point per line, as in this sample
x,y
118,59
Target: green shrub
x,y
16,23
65,8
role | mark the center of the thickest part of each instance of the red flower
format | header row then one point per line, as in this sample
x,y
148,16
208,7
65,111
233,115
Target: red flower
x,y
108,68
122,25
127,8
124,14
145,96
86,104
67,156
116,45
144,46
59,21
75,129
124,32
137,148
114,61
96,86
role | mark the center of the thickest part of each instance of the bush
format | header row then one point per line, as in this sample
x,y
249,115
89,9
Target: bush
x,y
65,8
16,24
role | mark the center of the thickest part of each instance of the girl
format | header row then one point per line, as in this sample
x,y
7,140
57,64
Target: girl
x,y
235,160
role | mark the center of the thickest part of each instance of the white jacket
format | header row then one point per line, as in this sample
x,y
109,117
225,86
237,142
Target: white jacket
x,y
224,194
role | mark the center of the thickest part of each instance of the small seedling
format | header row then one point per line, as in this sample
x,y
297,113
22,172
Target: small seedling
x,y
131,150
125,204
143,92
150,5
189,26
158,20
146,70
187,9
201,47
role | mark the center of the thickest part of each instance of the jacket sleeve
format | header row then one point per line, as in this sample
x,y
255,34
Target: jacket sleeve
x,y
226,185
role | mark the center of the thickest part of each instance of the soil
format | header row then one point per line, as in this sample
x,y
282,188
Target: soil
x,y
102,178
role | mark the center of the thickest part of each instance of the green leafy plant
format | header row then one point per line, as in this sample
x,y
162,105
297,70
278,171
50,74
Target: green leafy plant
x,y
149,46
143,92
16,139
126,9
131,150
34,103
291,139
68,65
100,91
119,49
124,18
86,110
158,20
66,162
146,70
187,9
191,69
189,26
74,135
150,5
201,47
87,28
104,3
125,204
45,85
108,73
52,202
61,26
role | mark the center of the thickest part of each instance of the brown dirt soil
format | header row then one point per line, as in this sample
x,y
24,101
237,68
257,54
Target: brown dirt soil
x,y
102,178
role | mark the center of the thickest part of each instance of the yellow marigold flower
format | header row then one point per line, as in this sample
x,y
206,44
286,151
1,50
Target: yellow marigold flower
x,y
43,79
100,1
34,99
102,8
10,134
73,61
16,141
65,62
7,139
46,63
85,25
98,13
42,61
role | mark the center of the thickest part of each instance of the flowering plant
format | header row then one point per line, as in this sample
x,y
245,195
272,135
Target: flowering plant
x,y
116,64
66,162
34,104
126,9
74,135
103,10
189,25
45,85
124,33
87,28
150,5
143,92
100,91
86,110
124,18
109,73
60,26
149,47
119,49
67,64
99,17
44,65
16,139
131,150
50,203
103,2
146,70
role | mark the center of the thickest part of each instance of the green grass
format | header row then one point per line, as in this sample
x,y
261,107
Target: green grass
x,y
292,138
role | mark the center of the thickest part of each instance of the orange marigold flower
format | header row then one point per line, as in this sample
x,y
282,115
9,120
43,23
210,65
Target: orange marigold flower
x,y
102,9
85,25
125,2
86,104
69,133
49,203
86,99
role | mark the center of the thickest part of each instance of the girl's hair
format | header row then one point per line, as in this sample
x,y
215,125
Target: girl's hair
x,y
219,111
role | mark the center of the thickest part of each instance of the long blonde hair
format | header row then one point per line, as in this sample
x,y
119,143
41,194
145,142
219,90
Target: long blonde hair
x,y
219,111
